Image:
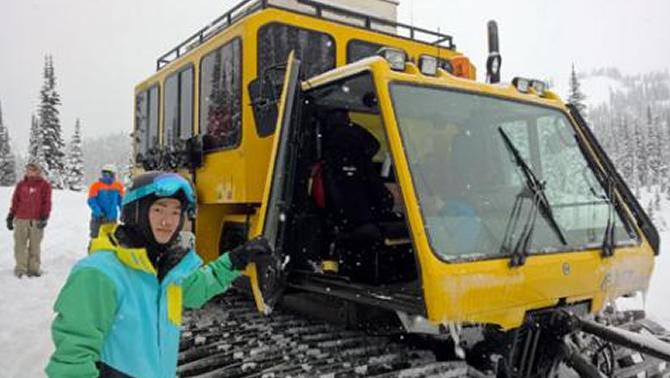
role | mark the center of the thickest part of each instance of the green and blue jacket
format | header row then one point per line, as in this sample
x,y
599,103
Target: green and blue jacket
x,y
114,312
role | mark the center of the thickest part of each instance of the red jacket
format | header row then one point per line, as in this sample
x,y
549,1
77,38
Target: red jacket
x,y
31,199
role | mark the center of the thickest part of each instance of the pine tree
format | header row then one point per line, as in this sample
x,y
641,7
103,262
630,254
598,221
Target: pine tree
x,y
7,161
74,167
641,161
35,151
575,96
653,148
50,128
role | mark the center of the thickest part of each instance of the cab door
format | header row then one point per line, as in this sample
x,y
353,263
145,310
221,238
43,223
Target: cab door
x,y
268,277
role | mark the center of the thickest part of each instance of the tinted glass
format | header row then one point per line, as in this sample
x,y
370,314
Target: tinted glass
x,y
468,184
220,97
186,104
141,123
315,50
171,110
152,134
357,50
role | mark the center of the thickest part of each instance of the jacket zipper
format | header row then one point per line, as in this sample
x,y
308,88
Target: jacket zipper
x,y
158,315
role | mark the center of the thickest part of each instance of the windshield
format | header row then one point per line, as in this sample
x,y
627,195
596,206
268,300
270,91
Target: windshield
x,y
473,194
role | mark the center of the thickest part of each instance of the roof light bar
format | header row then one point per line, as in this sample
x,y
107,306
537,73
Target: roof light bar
x,y
538,86
396,57
524,85
521,84
428,65
461,67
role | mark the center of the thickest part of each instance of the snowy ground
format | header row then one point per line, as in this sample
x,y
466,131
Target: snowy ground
x,y
25,304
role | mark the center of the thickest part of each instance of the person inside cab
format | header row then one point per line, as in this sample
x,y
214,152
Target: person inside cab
x,y
120,311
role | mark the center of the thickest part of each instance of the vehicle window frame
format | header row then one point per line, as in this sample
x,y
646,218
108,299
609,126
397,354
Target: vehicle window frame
x,y
356,40
177,74
157,87
190,67
332,38
621,212
139,148
259,69
202,128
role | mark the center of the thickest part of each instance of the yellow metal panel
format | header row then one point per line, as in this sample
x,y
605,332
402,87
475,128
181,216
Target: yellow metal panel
x,y
491,291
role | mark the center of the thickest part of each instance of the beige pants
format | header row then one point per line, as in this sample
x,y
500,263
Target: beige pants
x,y
27,239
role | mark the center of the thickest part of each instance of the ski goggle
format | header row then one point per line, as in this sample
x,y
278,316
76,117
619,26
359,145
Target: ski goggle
x,y
165,185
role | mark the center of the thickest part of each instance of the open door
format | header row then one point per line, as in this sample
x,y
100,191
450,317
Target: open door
x,y
268,277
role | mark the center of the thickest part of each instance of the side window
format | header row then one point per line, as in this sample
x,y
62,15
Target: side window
x,y
170,110
357,50
178,108
186,104
152,130
221,97
315,50
141,124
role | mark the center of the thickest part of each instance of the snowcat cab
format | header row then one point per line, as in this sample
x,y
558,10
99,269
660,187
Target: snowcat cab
x,y
448,202
399,194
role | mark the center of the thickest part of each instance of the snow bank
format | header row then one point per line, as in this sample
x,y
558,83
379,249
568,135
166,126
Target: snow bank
x,y
25,304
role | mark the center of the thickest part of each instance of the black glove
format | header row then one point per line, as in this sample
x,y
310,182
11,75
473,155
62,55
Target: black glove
x,y
42,222
10,221
248,252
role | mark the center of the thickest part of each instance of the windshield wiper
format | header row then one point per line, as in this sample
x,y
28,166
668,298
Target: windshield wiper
x,y
536,189
608,182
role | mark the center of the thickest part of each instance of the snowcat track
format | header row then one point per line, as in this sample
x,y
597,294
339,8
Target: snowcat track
x,y
631,364
229,338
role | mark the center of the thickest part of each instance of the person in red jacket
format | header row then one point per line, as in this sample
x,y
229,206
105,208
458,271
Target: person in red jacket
x,y
31,206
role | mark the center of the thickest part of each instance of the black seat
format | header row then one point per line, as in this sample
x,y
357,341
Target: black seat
x,y
358,204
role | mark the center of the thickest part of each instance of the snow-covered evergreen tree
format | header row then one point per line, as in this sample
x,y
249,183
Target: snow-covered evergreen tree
x,y
575,95
634,128
35,150
74,166
7,161
653,148
50,128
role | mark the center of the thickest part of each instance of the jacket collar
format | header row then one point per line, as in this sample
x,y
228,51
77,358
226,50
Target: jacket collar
x,y
138,258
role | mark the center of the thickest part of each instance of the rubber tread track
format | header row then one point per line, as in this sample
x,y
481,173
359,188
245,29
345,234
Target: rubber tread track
x,y
228,338
631,364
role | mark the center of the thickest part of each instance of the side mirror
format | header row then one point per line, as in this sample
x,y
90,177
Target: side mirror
x,y
194,151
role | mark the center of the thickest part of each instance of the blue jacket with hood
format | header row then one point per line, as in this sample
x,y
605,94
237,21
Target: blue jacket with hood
x,y
115,313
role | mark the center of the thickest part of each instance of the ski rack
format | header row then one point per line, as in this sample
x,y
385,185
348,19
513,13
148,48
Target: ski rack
x,y
247,7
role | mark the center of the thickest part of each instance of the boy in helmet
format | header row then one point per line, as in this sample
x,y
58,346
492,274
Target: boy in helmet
x,y
119,313
104,199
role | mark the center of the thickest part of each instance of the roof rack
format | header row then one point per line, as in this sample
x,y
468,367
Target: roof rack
x,y
246,7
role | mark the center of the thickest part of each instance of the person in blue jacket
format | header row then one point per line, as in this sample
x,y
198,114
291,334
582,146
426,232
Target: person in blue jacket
x,y
120,311
104,199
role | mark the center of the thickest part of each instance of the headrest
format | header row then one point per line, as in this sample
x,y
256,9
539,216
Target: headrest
x,y
351,140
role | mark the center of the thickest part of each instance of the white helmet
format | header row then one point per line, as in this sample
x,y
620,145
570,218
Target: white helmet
x,y
109,168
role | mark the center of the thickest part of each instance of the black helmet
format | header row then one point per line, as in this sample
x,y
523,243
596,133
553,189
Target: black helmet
x,y
144,190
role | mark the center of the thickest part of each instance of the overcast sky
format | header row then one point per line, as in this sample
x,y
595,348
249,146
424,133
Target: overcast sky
x,y
102,48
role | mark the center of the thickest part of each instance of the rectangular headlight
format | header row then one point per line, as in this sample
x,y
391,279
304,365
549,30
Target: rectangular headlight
x,y
428,65
396,57
538,86
521,84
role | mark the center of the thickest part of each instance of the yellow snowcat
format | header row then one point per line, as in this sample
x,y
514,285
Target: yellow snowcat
x,y
423,223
